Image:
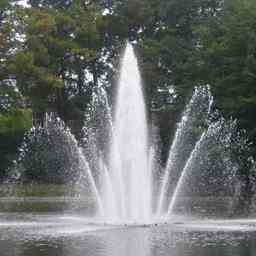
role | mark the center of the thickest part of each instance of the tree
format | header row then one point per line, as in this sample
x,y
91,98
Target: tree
x,y
14,118
50,68
168,43
227,60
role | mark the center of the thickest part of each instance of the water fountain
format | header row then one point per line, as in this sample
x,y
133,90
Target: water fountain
x,y
126,175
136,206
129,165
115,162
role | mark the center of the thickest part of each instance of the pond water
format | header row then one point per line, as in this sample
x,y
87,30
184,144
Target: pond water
x,y
68,235
199,180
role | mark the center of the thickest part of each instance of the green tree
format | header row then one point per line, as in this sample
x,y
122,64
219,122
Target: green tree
x,y
58,47
227,57
14,118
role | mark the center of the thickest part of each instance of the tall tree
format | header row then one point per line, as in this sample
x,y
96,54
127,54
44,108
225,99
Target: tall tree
x,y
14,118
58,47
228,59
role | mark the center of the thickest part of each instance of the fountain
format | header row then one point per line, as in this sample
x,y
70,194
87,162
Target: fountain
x,y
195,115
115,160
126,171
129,170
134,205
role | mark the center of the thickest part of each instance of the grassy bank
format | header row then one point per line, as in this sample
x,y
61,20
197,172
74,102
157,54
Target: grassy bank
x,y
41,198
36,190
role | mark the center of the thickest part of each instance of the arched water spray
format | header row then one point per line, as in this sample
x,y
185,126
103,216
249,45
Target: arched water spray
x,y
97,131
52,153
192,158
194,116
87,174
209,161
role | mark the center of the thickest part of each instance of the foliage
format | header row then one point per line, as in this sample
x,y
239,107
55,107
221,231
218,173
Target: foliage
x,y
16,120
13,125
55,54
227,56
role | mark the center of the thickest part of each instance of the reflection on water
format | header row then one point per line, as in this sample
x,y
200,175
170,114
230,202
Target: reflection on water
x,y
96,240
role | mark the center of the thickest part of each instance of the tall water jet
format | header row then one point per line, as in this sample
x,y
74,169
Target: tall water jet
x,y
129,170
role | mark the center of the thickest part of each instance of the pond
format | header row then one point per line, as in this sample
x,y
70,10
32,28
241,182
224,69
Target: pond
x,y
55,234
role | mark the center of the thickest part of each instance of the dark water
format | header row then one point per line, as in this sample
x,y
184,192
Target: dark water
x,y
67,236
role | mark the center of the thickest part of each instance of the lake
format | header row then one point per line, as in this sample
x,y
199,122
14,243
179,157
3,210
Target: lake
x,y
56,234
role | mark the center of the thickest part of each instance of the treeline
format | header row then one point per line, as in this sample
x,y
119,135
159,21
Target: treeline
x,y
55,52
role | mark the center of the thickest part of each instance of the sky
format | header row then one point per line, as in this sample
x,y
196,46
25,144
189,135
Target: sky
x,y
24,3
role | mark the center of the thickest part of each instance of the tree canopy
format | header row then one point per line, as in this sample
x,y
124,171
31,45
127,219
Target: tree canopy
x,y
54,54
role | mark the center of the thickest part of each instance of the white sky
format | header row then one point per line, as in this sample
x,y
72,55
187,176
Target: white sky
x,y
24,3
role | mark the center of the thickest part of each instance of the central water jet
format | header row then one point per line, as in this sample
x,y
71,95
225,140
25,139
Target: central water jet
x,y
129,167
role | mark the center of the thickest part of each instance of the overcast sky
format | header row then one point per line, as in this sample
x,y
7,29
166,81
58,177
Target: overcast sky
x,y
23,2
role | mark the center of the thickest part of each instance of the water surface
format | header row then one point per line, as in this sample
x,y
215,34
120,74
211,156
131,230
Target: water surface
x,y
67,235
